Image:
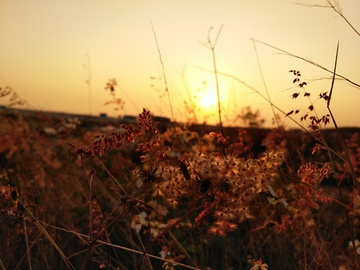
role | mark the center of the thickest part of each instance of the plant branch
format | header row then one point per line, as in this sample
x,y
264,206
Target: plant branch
x,y
336,7
306,60
280,110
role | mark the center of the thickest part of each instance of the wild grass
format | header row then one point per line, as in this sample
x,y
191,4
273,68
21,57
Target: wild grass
x,y
144,197
211,45
138,198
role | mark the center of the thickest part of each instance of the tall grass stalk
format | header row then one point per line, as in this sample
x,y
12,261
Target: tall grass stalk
x,y
163,71
343,145
47,235
90,185
265,86
27,246
84,238
211,46
2,267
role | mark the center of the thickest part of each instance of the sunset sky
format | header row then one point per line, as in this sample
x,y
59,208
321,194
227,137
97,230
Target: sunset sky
x,y
49,48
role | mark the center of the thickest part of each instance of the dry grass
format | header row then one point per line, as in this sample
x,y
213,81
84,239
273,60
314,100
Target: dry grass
x,y
136,198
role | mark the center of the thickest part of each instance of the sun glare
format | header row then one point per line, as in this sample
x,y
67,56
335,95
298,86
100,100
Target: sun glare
x,y
205,101
208,101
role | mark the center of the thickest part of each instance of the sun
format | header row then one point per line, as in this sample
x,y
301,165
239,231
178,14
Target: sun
x,y
208,101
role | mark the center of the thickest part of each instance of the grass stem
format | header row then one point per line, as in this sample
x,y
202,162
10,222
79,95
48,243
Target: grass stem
x,y
163,70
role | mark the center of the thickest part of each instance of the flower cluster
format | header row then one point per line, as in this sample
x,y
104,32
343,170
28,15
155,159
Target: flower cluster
x,y
141,221
126,134
316,122
304,197
259,265
224,186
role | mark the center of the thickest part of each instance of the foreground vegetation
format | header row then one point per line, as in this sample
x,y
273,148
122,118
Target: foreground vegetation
x,y
136,197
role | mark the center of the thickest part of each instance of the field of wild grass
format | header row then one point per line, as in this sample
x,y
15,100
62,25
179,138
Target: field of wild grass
x,y
103,194
149,195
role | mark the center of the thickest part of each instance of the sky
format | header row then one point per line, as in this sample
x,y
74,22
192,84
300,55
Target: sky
x,y
59,55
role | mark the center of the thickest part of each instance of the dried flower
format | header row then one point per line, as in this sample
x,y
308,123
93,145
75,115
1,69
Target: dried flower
x,y
259,265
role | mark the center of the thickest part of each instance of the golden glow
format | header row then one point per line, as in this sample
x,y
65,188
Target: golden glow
x,y
208,101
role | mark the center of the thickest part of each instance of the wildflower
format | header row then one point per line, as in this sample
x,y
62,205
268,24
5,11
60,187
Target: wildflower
x,y
357,245
259,265
169,265
164,252
110,85
139,221
148,176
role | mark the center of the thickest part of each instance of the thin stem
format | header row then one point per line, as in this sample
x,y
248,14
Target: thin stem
x,y
264,82
343,145
2,267
47,235
352,171
166,230
100,242
323,143
27,246
212,48
336,7
307,61
163,71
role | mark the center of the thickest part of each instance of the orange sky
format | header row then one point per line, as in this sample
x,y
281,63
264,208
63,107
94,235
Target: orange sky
x,y
45,44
